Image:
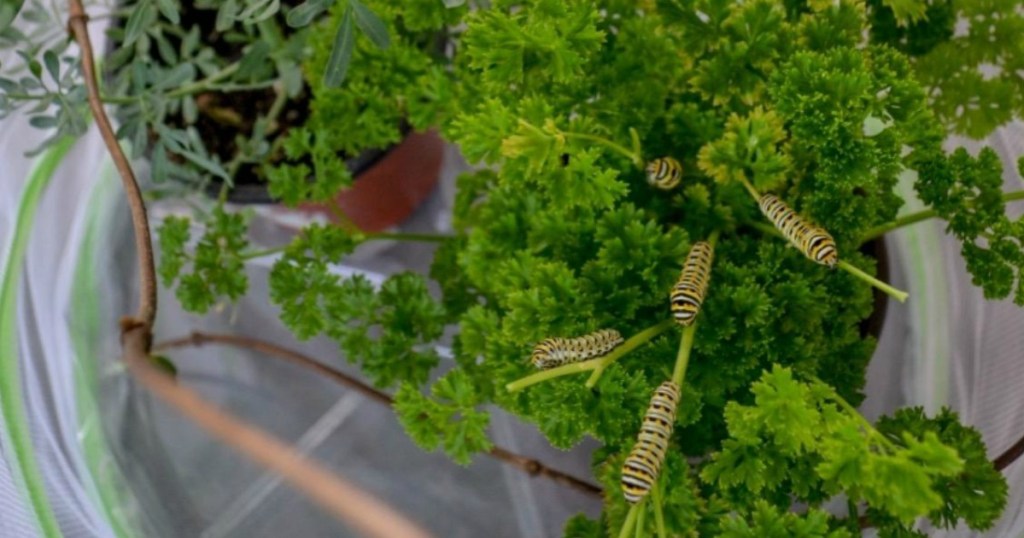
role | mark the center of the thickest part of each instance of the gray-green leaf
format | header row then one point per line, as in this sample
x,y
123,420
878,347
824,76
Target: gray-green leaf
x,y
52,64
170,10
303,13
140,18
341,54
8,11
371,24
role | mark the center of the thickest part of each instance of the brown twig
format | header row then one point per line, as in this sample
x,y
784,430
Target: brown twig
x,y
77,25
527,465
366,514
1010,455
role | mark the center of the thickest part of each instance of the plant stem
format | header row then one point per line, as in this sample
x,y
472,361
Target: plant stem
x,y
868,426
853,515
659,517
408,236
77,22
261,253
899,295
637,159
750,188
683,356
919,216
636,341
204,84
640,517
598,364
630,521
539,377
526,464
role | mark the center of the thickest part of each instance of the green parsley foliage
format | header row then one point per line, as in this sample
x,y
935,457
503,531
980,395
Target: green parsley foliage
x,y
449,419
767,521
978,494
387,329
971,73
966,191
214,268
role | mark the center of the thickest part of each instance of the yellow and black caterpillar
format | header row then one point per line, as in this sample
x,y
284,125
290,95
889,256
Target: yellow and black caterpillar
x,y
664,173
688,293
813,241
558,351
644,463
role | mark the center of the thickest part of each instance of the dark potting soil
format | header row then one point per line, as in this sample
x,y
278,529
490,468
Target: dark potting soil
x,y
226,118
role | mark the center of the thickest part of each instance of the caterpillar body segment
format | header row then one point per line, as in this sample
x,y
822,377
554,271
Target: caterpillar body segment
x,y
664,173
813,241
688,293
553,352
643,465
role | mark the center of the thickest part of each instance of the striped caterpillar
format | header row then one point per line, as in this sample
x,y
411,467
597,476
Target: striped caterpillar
x,y
813,241
689,291
664,173
554,352
643,465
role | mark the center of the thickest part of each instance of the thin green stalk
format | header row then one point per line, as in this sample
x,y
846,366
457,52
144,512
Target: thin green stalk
x,y
750,188
637,159
683,355
899,295
540,377
204,84
11,403
630,521
640,517
634,342
408,236
919,216
659,516
598,364
261,253
867,425
853,515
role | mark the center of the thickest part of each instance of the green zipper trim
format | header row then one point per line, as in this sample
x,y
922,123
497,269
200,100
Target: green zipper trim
x,y
13,406
84,330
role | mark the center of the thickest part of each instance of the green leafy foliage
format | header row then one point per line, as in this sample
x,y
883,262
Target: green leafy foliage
x,y
768,521
971,74
902,470
978,494
449,419
966,191
385,329
214,268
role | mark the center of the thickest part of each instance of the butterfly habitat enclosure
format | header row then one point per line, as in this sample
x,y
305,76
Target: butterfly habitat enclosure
x,y
634,301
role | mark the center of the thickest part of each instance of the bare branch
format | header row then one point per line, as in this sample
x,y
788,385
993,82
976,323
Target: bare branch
x,y
143,242
527,465
365,513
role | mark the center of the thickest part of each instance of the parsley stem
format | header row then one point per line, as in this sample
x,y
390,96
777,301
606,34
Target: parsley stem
x,y
262,253
641,512
750,188
919,216
598,364
867,425
683,356
899,295
659,517
853,515
630,521
408,236
634,342
637,159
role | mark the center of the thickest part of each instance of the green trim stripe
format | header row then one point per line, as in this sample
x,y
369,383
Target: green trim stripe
x,y
11,401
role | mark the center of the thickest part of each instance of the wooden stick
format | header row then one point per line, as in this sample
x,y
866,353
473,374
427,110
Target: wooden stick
x,y
77,25
527,465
